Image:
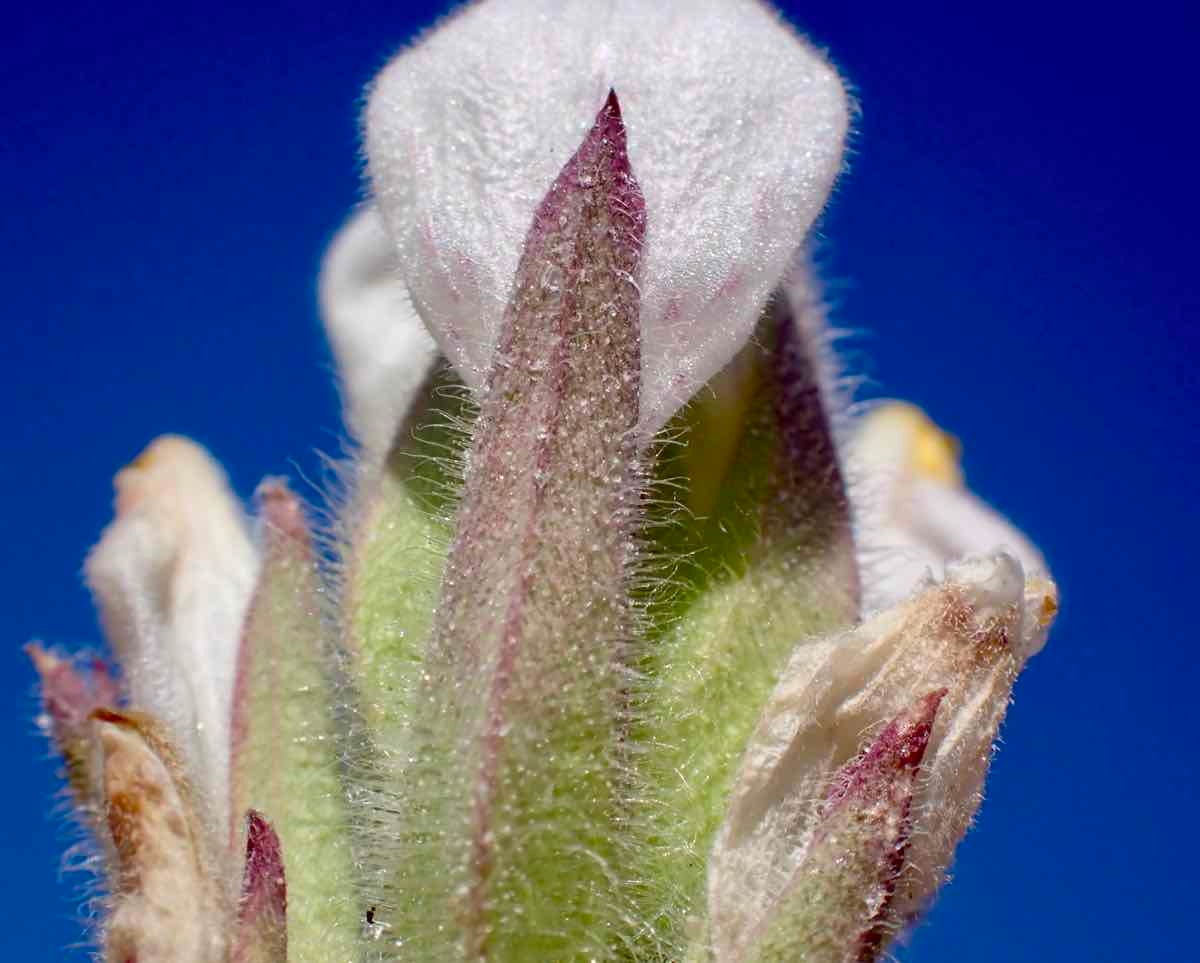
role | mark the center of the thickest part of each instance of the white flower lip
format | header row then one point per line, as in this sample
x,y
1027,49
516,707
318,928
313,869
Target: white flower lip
x,y
914,514
172,576
735,127
382,349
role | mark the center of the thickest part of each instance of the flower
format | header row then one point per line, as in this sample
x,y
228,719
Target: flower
x,y
579,670
172,577
735,164
383,350
914,514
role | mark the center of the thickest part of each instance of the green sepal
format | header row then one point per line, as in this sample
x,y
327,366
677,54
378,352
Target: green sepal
x,y
510,834
758,511
284,753
395,551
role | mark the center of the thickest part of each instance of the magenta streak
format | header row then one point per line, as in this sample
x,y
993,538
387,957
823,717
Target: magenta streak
x,y
608,125
263,910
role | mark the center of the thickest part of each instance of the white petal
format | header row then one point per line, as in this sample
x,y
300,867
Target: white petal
x,y
964,524
172,576
913,513
735,128
383,350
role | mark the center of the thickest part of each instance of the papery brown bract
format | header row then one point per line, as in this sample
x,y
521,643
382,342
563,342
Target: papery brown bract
x,y
966,638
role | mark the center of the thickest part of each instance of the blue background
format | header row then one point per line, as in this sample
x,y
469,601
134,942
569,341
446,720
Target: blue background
x,y
1014,243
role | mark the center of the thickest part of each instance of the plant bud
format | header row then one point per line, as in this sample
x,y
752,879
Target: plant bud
x,y
172,576
968,636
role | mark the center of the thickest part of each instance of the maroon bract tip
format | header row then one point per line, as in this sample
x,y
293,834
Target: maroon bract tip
x,y
281,509
262,920
899,747
879,783
264,862
612,104
67,695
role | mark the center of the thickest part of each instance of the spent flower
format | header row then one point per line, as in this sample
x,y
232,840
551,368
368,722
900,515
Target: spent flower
x,y
580,669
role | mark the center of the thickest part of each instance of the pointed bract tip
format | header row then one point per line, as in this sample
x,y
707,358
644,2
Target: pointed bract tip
x,y
610,125
43,662
912,730
262,918
264,859
612,105
68,694
280,508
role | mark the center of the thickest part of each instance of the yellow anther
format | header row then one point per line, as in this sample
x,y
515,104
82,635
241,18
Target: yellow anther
x,y
932,453
936,455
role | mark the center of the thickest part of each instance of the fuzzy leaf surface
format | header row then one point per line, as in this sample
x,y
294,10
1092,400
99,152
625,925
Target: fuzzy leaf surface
x,y
285,763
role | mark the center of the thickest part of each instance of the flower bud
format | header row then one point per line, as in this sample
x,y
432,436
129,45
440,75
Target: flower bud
x,y
284,755
965,638
736,130
172,576
833,908
769,562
